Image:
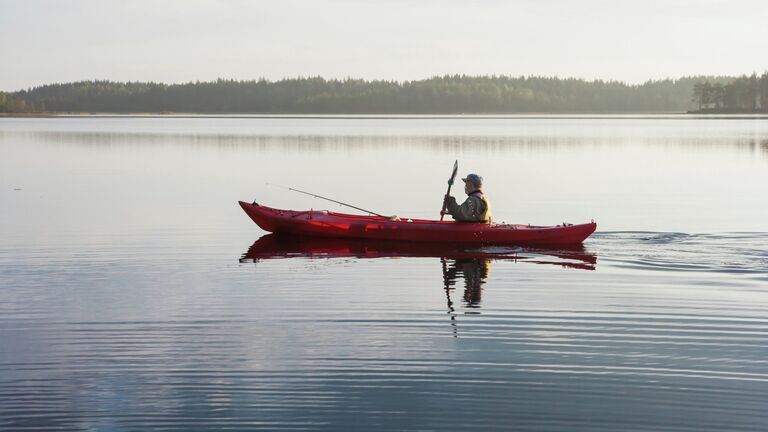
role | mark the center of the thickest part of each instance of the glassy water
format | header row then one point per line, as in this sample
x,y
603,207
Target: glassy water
x,y
136,295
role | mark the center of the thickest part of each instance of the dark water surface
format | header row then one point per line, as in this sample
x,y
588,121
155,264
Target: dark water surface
x,y
136,295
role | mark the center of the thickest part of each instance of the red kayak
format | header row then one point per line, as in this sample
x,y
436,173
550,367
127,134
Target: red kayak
x,y
339,225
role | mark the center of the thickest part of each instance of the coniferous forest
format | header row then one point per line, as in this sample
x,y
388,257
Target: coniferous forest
x,y
745,94
450,94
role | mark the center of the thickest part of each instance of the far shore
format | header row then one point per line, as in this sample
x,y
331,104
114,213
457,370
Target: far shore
x,y
708,114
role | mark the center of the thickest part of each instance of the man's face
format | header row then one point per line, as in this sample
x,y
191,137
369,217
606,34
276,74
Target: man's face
x,y
468,188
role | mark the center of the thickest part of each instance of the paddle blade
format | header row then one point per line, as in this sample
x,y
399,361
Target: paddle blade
x,y
453,174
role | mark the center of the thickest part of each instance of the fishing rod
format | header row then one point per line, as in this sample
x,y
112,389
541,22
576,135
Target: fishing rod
x,y
325,198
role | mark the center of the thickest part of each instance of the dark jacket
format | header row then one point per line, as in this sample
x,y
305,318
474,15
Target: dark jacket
x,y
475,209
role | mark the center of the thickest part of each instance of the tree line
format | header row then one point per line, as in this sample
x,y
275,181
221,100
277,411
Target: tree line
x,y
449,94
742,94
10,104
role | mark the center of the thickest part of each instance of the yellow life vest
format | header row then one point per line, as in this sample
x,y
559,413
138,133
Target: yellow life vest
x,y
486,215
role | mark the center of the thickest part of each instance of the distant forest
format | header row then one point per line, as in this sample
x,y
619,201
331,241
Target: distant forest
x,y
450,94
742,94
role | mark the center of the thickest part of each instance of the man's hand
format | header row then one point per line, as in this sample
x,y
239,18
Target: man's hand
x,y
446,200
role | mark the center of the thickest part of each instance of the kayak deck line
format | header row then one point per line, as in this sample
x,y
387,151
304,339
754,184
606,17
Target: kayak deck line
x,y
310,212
340,225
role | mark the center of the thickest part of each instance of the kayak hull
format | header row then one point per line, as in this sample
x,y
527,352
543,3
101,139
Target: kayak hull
x,y
339,225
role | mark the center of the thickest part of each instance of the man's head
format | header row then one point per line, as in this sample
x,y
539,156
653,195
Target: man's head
x,y
472,182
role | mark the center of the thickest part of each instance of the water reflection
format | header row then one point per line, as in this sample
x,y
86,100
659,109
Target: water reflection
x,y
474,272
348,143
135,318
469,265
463,260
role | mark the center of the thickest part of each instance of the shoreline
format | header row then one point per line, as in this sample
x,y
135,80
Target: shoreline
x,y
727,112
488,116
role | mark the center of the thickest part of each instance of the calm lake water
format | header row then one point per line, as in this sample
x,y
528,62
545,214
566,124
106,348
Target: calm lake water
x,y
136,295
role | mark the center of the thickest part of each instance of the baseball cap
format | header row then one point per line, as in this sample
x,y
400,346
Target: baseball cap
x,y
474,179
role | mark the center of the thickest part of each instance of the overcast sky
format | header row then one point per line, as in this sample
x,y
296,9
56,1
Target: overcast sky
x,y
185,40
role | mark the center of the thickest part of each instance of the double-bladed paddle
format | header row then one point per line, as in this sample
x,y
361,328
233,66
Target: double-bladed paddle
x,y
450,183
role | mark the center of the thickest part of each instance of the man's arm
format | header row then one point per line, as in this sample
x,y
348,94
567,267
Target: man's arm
x,y
466,212
450,204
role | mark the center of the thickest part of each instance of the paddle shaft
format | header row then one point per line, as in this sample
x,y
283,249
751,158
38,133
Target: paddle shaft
x,y
450,184
442,213
327,199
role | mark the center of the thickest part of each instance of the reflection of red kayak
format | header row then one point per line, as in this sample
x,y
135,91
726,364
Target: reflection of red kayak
x,y
273,246
339,225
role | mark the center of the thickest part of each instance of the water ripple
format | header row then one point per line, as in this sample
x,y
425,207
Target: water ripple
x,y
722,253
663,331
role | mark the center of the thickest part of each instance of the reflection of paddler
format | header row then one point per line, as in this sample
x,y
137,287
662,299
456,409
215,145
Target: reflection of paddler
x,y
475,272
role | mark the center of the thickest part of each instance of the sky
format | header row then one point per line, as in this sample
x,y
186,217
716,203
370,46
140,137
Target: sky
x,y
173,41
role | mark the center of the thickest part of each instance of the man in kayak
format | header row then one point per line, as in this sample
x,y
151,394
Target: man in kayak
x,y
476,208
